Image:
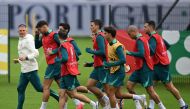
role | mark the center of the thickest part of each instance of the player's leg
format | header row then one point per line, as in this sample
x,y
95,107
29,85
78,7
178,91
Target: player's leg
x,y
62,98
35,81
91,85
164,75
112,97
46,92
131,83
71,83
155,81
104,80
82,89
81,97
170,87
23,82
147,82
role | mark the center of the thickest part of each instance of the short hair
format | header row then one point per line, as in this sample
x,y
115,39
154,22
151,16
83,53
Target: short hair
x,y
132,28
22,25
65,26
41,23
151,23
98,22
110,30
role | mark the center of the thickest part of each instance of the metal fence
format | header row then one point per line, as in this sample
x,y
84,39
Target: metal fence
x,y
124,15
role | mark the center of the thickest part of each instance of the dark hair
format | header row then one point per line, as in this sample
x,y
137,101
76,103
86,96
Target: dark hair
x,y
41,23
98,22
21,25
65,26
110,30
151,23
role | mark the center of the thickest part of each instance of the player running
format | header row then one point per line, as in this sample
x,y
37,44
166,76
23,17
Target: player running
x,y
144,67
29,66
50,41
116,64
69,72
160,58
99,74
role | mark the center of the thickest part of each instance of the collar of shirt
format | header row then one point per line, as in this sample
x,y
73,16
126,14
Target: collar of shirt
x,y
98,32
21,38
48,32
153,32
113,42
138,35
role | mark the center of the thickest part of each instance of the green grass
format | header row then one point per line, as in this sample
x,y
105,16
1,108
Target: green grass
x,y
8,92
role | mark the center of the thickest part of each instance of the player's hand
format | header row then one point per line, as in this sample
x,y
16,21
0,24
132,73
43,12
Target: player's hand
x,y
37,33
86,64
106,64
49,52
127,52
22,58
89,50
16,61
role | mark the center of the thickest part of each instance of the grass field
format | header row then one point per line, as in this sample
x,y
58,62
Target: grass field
x,y
8,92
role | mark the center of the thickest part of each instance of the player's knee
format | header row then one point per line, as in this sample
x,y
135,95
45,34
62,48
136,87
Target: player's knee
x,y
130,89
71,95
39,89
89,87
20,89
118,96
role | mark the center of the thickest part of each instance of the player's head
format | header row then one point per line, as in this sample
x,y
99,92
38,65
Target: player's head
x,y
96,25
62,34
109,33
42,26
22,30
132,31
149,26
65,27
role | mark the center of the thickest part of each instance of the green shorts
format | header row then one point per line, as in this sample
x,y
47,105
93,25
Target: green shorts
x,y
53,71
116,79
100,74
161,73
144,78
69,82
100,86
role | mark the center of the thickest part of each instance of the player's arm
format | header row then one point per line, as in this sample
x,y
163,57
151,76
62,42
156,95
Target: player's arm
x,y
38,42
77,49
64,56
121,56
56,38
140,53
166,44
152,45
101,45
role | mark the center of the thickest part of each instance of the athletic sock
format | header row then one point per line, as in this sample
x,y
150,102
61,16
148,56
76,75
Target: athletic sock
x,y
43,105
92,103
138,104
76,101
151,104
181,102
161,106
136,97
65,106
106,100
